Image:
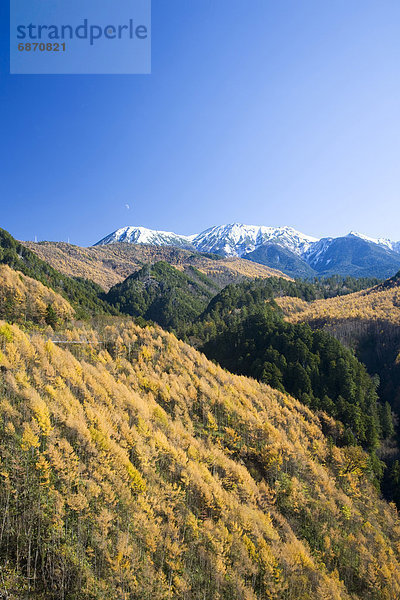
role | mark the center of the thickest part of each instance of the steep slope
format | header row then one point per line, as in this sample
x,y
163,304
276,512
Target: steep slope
x,y
353,256
25,300
384,242
82,294
378,304
279,257
111,264
137,469
237,239
244,331
163,294
368,321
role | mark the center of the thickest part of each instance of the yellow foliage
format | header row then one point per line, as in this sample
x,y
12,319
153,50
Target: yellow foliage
x,y
30,298
29,438
108,265
378,304
170,478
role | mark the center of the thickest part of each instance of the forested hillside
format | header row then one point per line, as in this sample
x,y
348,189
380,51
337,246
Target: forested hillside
x,y
135,468
164,294
379,304
83,294
369,323
312,366
109,265
27,301
246,334
184,300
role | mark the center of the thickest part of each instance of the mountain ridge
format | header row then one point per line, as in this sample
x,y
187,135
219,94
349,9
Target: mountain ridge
x,y
301,255
234,232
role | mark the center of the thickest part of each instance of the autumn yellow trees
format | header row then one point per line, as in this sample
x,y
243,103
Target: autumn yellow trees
x,y
380,304
24,299
135,468
109,265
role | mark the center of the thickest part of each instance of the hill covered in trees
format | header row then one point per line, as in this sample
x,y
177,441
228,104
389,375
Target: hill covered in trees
x,y
380,304
109,265
132,467
84,295
369,323
27,301
181,300
243,330
311,366
163,294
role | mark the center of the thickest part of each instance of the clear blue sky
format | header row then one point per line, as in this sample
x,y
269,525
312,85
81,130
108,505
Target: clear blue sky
x,y
257,111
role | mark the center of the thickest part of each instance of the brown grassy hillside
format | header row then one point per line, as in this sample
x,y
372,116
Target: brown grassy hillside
x,y
135,468
108,265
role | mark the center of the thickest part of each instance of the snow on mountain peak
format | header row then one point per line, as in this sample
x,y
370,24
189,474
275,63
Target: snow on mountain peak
x,y
236,239
142,235
384,242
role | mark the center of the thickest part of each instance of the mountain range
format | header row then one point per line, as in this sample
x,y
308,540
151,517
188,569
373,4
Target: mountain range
x,y
133,466
283,248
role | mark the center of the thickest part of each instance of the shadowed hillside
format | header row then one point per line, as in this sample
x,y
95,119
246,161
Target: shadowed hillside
x,y
164,294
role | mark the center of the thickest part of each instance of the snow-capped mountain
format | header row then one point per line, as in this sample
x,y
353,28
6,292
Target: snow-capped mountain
x,y
141,235
356,255
317,251
229,240
237,239
384,242
282,248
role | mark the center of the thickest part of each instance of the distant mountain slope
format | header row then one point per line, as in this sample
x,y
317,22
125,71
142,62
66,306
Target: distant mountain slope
x,y
138,469
352,256
141,235
237,239
294,253
111,264
383,242
279,257
163,294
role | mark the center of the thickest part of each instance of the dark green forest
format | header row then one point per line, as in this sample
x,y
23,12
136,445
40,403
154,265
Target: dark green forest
x,y
163,294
